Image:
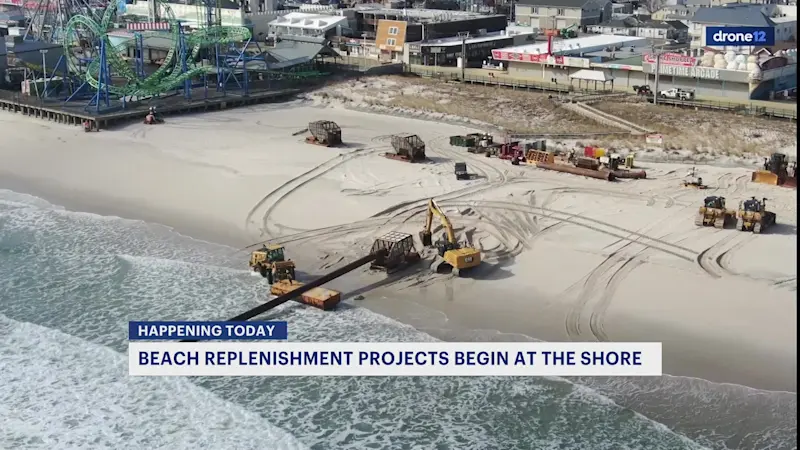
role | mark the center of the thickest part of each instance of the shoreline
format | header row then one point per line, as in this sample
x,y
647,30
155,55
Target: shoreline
x,y
405,310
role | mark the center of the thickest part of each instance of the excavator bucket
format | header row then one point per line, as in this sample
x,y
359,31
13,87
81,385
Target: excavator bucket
x,y
426,238
765,177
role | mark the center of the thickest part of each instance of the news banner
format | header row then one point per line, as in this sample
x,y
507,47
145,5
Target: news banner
x,y
262,349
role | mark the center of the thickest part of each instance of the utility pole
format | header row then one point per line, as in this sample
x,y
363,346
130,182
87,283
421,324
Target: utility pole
x,y
463,35
657,54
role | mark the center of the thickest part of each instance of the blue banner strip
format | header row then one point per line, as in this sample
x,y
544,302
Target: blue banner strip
x,y
207,331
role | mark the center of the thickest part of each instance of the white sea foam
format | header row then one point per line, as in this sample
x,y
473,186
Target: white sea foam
x,y
59,391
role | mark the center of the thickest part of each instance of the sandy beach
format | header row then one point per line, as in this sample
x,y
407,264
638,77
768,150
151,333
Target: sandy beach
x,y
567,258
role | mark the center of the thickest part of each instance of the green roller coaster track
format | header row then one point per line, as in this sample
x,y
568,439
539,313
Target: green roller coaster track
x,y
168,77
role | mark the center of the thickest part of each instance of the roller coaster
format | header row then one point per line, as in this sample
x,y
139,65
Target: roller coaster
x,y
92,64
179,66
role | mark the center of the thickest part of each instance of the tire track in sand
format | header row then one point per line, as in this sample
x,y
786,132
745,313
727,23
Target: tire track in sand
x,y
277,195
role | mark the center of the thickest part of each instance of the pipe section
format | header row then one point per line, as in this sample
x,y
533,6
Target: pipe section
x,y
599,174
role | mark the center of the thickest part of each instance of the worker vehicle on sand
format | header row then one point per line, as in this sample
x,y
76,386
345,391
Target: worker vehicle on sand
x,y
753,216
643,90
713,212
677,94
452,256
696,183
777,171
152,117
461,171
395,251
270,261
693,181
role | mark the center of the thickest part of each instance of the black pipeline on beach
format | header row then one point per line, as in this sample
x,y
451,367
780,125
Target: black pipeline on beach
x,y
261,309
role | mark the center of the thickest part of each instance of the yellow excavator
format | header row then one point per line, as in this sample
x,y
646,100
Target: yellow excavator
x,y
451,254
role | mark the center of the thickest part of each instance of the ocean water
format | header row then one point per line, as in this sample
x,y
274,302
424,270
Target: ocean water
x,y
69,282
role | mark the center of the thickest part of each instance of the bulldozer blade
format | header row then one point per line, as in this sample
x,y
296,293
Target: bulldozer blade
x,y
764,177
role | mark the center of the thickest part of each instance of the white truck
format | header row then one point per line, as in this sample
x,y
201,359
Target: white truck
x,y
677,94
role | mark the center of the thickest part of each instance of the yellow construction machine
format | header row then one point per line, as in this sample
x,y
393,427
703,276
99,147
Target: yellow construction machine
x,y
713,212
753,216
777,171
451,254
270,261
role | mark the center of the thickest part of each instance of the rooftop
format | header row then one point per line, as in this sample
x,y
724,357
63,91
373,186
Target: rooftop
x,y
585,44
445,42
734,14
308,21
419,15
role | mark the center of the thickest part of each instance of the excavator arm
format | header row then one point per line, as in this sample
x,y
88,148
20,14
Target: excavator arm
x,y
434,210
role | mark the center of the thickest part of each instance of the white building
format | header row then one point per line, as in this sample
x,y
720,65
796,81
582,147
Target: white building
x,y
304,24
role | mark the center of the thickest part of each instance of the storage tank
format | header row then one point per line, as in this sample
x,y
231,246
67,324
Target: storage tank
x,y
755,73
707,60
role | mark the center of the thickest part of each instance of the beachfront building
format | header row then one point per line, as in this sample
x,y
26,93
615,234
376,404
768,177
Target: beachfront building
x,y
549,14
628,61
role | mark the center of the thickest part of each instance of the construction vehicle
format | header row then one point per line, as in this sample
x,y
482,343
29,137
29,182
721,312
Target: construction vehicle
x,y
610,162
270,261
452,256
469,140
753,216
297,293
490,150
325,133
509,150
396,251
629,160
407,147
776,172
713,212
568,32
461,171
485,144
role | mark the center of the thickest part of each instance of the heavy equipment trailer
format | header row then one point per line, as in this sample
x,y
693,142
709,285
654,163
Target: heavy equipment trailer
x,y
407,147
324,132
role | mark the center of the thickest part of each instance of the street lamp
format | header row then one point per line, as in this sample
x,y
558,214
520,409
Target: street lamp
x,y
364,51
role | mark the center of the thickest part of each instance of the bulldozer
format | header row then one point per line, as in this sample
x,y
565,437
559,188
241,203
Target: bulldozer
x,y
451,254
270,261
776,172
713,212
753,216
